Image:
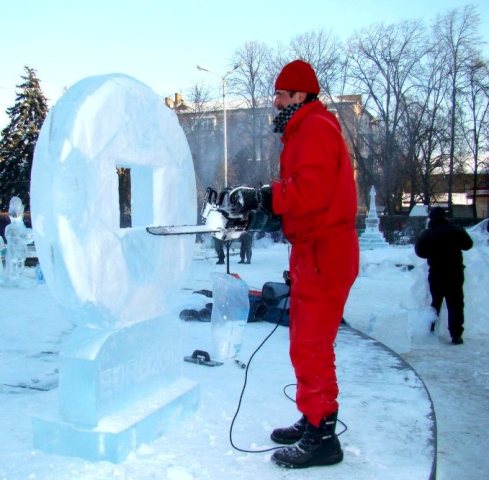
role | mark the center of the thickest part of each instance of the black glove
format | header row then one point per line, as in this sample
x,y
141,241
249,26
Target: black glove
x,y
264,222
264,194
243,199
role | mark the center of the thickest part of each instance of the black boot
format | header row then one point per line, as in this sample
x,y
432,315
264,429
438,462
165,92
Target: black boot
x,y
318,446
289,435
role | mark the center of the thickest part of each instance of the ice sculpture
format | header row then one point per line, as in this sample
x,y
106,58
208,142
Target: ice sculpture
x,y
230,309
372,237
120,382
17,236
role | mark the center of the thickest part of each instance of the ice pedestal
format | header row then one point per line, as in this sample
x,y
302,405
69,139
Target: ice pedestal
x,y
116,390
372,238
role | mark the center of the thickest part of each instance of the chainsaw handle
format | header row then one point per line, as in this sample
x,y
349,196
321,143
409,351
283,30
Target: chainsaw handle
x,y
224,197
210,195
210,199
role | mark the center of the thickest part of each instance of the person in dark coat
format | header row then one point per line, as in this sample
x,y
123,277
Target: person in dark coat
x,y
442,244
246,240
219,247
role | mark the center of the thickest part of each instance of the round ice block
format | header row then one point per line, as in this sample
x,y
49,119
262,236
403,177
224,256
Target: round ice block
x,y
103,274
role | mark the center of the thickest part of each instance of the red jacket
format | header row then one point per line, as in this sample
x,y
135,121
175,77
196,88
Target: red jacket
x,y
316,194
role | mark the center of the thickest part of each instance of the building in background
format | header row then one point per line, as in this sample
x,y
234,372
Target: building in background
x,y
253,148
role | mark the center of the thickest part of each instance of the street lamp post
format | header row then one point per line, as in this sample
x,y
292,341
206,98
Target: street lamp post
x,y
225,135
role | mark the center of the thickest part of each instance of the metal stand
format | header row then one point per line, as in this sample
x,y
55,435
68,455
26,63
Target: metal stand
x,y
228,245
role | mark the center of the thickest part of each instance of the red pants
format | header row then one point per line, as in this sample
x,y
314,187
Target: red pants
x,y
322,273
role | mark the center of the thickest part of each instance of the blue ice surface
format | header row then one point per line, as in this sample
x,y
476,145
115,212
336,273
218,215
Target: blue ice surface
x,y
231,306
117,389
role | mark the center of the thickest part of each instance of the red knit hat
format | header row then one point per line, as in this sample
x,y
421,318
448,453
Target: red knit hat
x,y
297,76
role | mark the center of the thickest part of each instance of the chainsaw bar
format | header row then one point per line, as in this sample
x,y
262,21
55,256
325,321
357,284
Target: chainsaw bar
x,y
182,230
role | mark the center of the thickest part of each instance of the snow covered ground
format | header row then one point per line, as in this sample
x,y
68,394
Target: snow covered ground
x,y
388,301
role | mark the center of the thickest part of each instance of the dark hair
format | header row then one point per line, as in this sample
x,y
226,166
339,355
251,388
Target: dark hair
x,y
310,97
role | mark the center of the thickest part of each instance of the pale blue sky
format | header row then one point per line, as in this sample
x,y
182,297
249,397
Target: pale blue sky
x,y
160,42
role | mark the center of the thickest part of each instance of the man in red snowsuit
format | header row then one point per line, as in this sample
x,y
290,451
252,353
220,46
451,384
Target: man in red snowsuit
x,y
316,198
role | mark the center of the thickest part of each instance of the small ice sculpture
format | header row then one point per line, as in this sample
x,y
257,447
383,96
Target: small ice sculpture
x,y
229,314
17,236
120,380
372,237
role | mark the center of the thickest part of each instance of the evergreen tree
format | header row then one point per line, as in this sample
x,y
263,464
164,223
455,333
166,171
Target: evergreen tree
x,y
18,139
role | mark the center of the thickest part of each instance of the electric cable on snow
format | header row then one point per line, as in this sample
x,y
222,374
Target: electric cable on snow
x,y
246,380
284,390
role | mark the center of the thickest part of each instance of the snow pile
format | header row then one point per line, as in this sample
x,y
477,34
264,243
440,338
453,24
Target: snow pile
x,y
402,321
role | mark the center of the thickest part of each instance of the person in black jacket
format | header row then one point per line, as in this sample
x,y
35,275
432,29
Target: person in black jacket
x,y
219,247
442,244
245,250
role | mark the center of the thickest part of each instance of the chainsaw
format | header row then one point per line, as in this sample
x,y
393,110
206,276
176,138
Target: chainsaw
x,y
222,220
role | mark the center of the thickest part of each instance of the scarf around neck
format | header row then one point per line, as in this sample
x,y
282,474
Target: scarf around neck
x,y
281,120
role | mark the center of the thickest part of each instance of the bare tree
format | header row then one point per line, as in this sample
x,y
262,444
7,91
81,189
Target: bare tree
x,y
199,103
359,126
322,50
251,83
249,80
383,64
456,31
198,119
425,127
396,87
475,118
